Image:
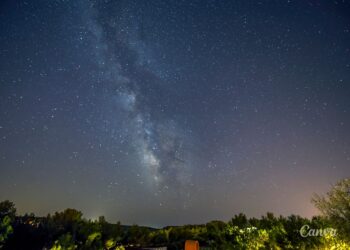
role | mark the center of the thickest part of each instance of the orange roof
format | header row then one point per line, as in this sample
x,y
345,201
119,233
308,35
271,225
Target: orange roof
x,y
191,245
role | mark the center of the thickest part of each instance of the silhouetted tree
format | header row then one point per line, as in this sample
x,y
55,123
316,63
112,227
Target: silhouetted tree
x,y
138,235
240,220
335,205
7,208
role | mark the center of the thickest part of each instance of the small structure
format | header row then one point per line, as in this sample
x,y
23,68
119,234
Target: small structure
x,y
191,245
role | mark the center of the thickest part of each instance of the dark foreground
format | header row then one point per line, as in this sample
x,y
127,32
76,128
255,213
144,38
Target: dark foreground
x,y
69,230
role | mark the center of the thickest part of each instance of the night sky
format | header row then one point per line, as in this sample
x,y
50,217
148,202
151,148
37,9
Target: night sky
x,y
172,112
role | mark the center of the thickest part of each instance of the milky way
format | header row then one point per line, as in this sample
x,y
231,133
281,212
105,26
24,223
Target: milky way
x,y
172,112
158,142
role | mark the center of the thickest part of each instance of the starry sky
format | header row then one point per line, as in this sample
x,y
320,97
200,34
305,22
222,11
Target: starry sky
x,y
172,112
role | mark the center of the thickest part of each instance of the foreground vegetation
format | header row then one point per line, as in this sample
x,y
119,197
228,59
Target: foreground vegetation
x,y
69,230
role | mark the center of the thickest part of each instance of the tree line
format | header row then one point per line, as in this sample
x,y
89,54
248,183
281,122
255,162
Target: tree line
x,y
69,230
